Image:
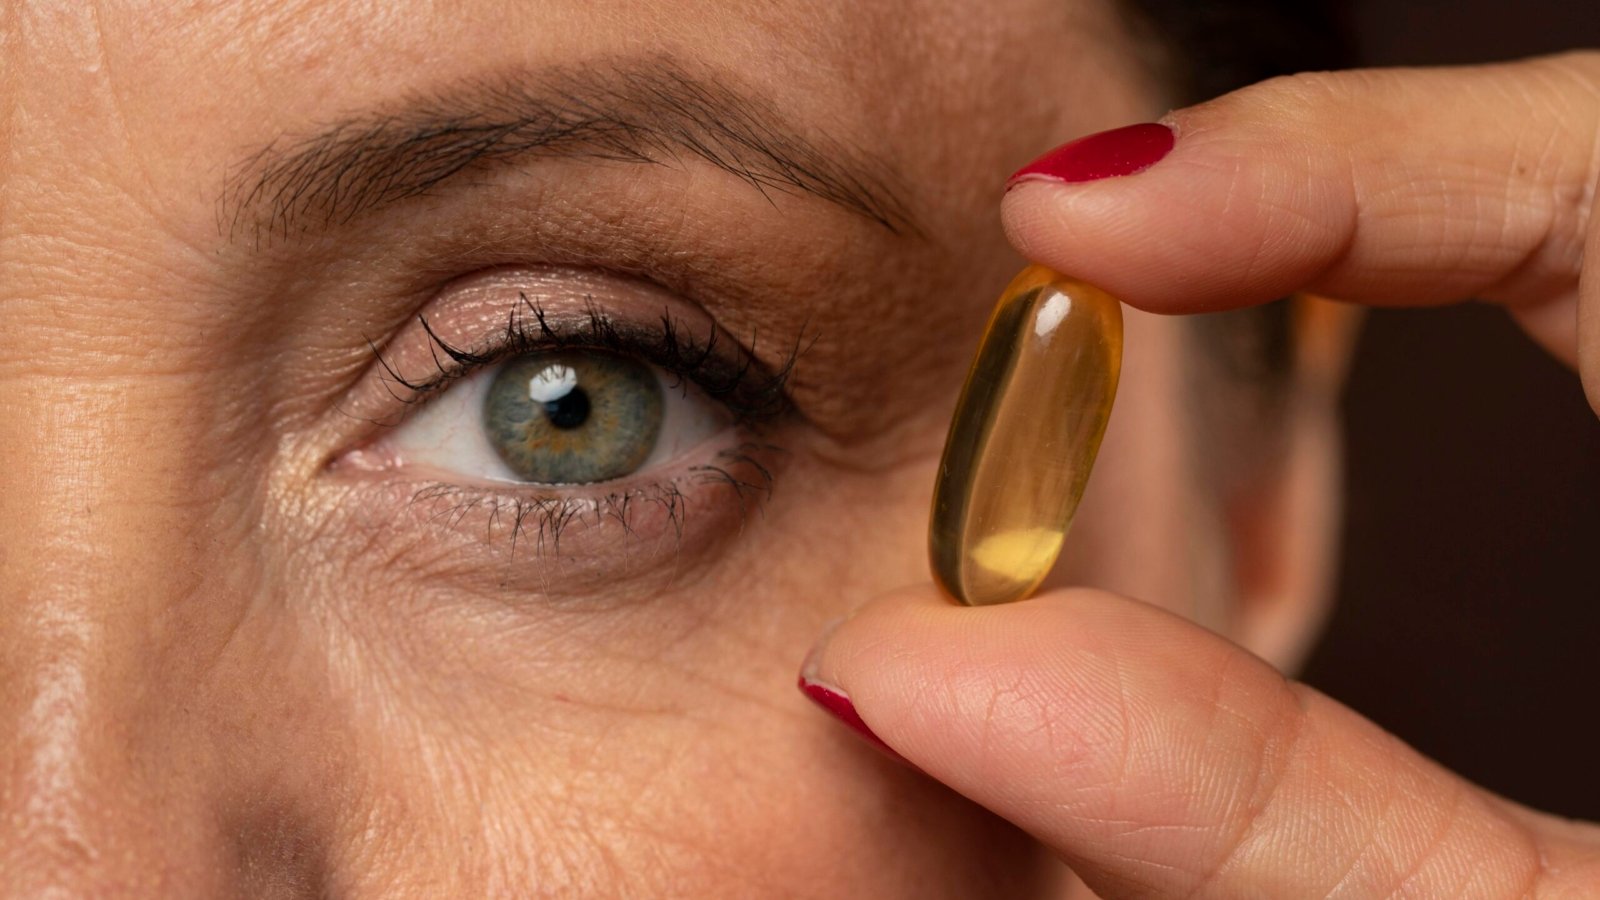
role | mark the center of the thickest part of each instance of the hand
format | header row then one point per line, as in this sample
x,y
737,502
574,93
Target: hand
x,y
1158,759
1384,187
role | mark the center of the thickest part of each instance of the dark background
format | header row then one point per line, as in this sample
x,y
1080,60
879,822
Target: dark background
x,y
1468,619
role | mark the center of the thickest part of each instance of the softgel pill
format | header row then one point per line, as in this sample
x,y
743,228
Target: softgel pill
x,y
1024,437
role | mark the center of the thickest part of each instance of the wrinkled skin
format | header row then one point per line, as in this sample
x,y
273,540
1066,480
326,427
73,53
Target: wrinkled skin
x,y
1156,757
238,659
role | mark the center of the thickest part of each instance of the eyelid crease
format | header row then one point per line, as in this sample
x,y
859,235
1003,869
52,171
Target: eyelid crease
x,y
752,392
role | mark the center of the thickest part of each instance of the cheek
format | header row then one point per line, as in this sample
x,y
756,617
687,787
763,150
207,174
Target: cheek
x,y
861,532
710,794
467,745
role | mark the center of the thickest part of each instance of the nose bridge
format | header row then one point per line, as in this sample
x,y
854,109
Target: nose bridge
x,y
105,631
122,516
65,769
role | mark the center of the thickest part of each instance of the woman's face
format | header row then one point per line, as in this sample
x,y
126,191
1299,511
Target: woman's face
x,y
275,616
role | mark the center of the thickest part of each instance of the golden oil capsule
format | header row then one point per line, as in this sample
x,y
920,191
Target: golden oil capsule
x,y
1024,437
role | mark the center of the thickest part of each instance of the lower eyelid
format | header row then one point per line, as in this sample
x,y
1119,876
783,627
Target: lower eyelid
x,y
534,539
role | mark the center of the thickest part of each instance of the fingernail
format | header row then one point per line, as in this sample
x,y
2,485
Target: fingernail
x,y
838,703
1121,151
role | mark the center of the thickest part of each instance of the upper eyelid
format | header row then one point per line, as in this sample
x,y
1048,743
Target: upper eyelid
x,y
736,377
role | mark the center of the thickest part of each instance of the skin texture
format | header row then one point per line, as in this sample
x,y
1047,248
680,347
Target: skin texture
x,y
1157,758
246,650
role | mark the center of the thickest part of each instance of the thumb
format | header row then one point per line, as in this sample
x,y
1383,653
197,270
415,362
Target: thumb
x,y
1160,760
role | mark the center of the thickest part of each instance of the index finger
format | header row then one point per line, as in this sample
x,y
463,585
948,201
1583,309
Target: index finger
x,y
1386,187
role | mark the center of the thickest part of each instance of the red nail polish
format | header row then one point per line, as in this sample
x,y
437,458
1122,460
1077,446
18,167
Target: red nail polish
x,y
1121,151
840,706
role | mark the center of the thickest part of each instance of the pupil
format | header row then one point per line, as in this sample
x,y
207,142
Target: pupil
x,y
569,410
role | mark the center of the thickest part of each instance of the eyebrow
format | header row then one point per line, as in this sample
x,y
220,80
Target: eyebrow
x,y
648,111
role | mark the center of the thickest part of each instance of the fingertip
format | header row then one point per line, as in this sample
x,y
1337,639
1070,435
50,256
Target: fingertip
x,y
1027,213
882,627
1238,212
1143,242
1107,154
923,673
850,652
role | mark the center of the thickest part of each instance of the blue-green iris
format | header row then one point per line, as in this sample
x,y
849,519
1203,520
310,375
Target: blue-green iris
x,y
573,416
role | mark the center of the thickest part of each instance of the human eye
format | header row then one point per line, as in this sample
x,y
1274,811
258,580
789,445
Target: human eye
x,y
592,421
558,417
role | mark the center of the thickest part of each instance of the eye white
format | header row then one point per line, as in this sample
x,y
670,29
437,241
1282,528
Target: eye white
x,y
446,432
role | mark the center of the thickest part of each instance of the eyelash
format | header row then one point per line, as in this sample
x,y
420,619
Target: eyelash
x,y
548,517
757,398
754,395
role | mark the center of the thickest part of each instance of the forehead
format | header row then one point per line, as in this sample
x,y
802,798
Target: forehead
x,y
181,83
129,121
132,121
